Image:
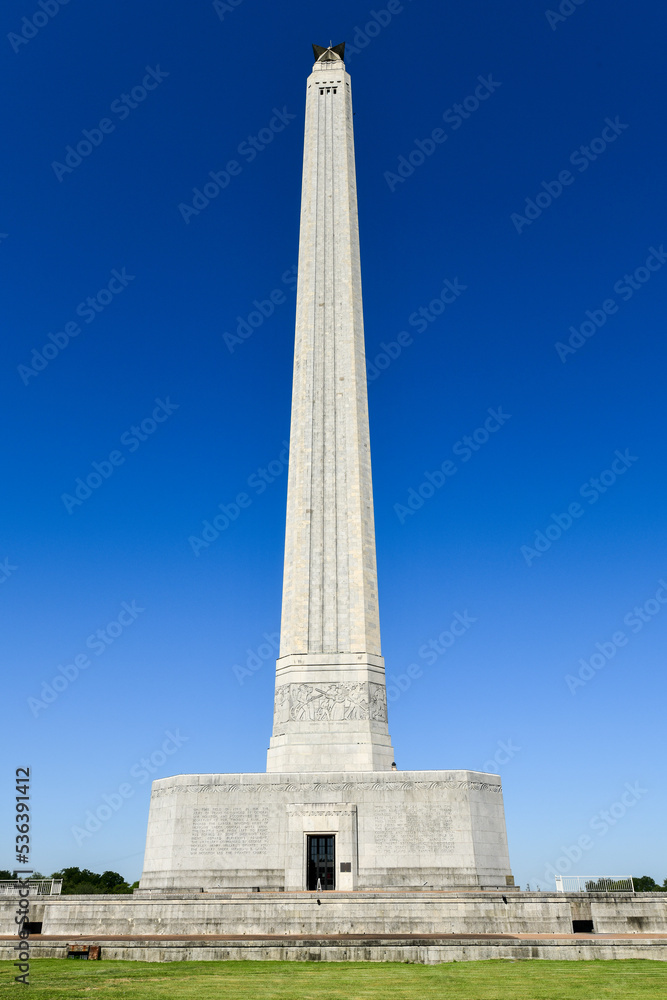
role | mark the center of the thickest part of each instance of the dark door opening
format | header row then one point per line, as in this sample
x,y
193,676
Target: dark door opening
x,y
582,927
321,862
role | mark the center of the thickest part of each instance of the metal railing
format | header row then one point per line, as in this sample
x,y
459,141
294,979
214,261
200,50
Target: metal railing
x,y
37,886
594,883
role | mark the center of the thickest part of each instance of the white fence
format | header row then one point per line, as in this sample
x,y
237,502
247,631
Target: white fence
x,y
594,883
37,886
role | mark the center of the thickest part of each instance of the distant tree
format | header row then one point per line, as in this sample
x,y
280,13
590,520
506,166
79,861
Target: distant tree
x,y
644,883
111,881
83,882
5,876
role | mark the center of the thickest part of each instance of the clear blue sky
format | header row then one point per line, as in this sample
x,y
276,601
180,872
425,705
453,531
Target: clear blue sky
x,y
208,81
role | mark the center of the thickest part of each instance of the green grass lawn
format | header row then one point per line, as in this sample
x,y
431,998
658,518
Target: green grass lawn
x,y
61,979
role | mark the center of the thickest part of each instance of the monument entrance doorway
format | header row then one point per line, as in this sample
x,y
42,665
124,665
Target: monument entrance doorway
x,y
321,862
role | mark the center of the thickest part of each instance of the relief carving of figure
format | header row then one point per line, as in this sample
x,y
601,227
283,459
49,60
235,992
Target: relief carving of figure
x,y
282,705
330,703
334,702
302,699
356,704
378,703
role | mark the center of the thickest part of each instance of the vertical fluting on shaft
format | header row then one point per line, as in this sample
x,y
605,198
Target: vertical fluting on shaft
x,y
330,707
330,588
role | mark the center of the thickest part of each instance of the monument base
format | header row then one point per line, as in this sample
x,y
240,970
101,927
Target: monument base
x,y
425,926
344,831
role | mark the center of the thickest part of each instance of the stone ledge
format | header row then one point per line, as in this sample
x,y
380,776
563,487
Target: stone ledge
x,y
422,949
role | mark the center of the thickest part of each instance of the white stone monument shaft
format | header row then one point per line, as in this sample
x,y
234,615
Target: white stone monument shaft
x,y
330,780
330,706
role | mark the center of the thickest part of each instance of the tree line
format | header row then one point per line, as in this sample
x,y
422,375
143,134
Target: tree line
x,y
83,882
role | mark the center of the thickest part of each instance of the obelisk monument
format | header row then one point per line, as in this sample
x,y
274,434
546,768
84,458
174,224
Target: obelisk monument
x,y
330,706
330,812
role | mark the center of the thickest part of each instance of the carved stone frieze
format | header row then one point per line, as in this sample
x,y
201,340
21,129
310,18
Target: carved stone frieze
x,y
329,702
280,788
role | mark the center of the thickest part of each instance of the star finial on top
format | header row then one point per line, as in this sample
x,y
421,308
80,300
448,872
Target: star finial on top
x,y
331,54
